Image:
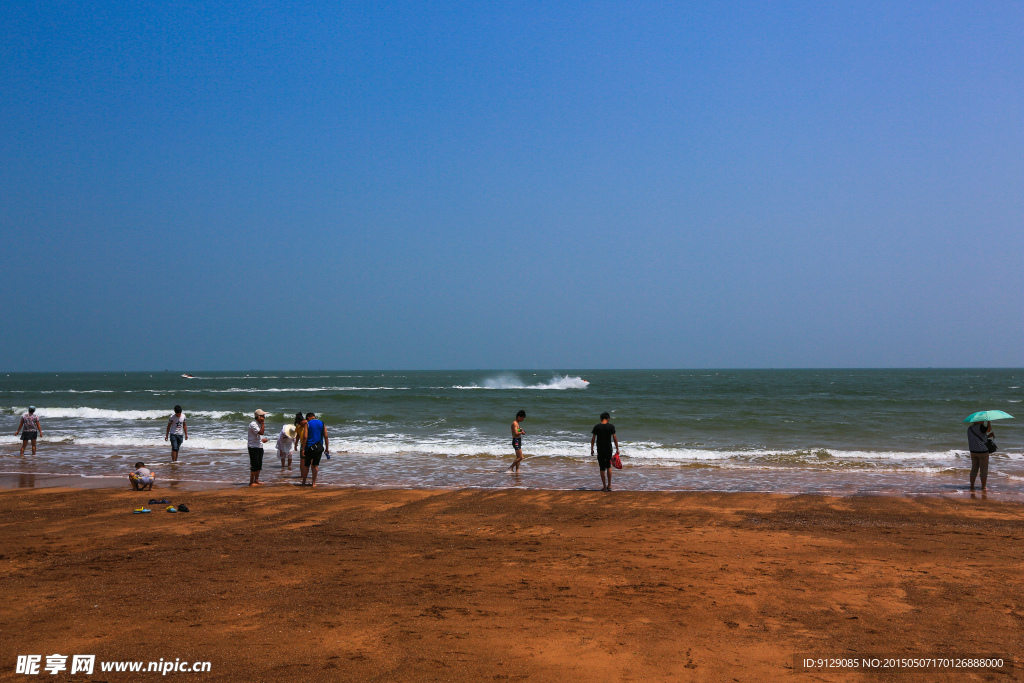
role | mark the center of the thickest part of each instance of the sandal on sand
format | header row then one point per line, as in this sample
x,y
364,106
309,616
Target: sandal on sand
x,y
139,511
183,508
172,509
162,501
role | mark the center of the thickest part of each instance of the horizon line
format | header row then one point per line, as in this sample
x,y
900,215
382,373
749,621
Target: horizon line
x,y
568,369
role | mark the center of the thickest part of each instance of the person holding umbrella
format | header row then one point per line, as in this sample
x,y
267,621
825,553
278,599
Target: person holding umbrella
x,y
980,443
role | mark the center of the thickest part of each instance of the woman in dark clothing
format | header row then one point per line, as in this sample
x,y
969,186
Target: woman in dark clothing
x,y
977,436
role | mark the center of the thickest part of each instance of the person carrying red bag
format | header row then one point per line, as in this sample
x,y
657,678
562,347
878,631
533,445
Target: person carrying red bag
x,y
603,434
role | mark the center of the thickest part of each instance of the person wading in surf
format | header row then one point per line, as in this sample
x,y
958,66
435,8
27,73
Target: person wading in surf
x,y
30,429
517,440
177,431
315,446
602,434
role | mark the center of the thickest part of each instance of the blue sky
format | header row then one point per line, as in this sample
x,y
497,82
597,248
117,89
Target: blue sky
x,y
512,185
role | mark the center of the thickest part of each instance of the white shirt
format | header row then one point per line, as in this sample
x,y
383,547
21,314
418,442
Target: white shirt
x,y
177,423
284,442
255,440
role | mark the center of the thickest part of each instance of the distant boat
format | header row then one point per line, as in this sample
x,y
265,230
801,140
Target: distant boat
x,y
187,376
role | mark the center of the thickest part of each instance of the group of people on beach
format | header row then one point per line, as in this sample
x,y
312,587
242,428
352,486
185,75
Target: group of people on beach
x,y
308,436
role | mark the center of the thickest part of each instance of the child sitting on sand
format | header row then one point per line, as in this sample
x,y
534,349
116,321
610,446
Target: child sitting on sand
x,y
141,477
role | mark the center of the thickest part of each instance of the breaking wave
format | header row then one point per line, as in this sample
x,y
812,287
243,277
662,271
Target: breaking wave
x,y
105,414
513,382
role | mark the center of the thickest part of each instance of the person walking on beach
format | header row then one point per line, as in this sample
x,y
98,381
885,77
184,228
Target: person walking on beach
x,y
517,440
315,446
30,429
256,441
978,435
602,434
177,431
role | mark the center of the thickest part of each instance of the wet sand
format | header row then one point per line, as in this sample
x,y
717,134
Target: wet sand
x,y
283,583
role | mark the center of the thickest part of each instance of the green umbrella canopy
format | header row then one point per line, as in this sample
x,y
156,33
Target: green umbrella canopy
x,y
988,415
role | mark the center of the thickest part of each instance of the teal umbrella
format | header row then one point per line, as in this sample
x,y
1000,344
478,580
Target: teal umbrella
x,y
988,415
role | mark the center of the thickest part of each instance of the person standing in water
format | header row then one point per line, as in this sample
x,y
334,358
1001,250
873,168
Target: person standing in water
x,y
255,442
978,435
602,434
300,435
30,429
285,444
517,440
177,431
315,446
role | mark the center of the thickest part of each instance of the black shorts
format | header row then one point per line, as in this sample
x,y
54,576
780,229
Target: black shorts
x,y
176,440
255,459
29,436
311,456
517,443
604,460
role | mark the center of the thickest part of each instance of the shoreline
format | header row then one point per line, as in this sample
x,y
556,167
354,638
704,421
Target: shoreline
x,y
356,584
48,481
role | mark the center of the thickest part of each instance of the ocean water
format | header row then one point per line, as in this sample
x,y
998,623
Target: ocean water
x,y
788,431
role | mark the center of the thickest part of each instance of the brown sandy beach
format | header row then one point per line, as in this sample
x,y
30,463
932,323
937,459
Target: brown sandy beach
x,y
285,584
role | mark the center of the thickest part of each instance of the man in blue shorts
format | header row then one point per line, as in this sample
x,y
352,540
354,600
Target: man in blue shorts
x,y
177,431
316,445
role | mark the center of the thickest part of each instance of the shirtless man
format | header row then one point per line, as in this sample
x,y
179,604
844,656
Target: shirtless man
x,y
517,440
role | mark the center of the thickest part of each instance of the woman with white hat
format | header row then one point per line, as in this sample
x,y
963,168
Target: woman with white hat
x,y
285,443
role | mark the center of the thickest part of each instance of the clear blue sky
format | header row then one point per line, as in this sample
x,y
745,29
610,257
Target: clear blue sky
x,y
394,185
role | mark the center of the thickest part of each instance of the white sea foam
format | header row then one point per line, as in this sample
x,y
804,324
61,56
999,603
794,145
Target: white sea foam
x,y
106,414
469,443
645,453
212,444
272,390
513,382
114,441
84,391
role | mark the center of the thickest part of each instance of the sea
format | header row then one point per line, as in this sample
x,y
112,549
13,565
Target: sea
x,y
837,432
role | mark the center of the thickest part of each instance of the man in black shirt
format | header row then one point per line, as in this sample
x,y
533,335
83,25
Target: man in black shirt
x,y
603,434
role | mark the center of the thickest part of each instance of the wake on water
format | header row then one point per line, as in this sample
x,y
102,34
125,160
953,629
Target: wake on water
x,y
513,382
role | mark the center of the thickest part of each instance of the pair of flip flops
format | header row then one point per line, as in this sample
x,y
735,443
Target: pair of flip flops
x,y
180,508
162,501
